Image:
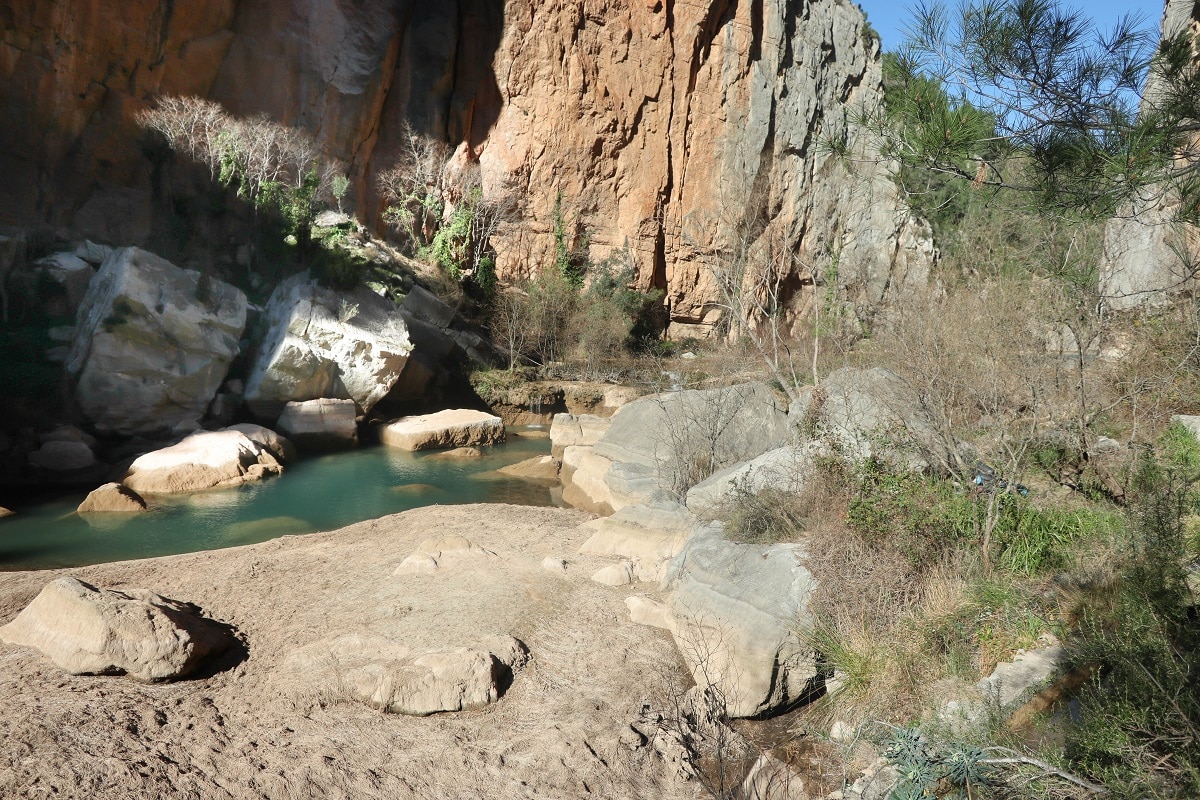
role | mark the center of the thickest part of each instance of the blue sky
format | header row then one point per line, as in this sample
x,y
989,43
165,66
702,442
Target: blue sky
x,y
889,17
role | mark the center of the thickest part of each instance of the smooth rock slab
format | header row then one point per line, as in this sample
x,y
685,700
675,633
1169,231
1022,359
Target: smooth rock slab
x,y
112,498
402,680
202,461
739,611
91,631
444,429
322,424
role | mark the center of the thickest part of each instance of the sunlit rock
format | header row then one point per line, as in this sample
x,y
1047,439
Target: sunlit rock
x,y
325,344
153,344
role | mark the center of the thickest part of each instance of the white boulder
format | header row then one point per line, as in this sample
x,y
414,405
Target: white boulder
x,y
152,345
445,429
325,344
204,460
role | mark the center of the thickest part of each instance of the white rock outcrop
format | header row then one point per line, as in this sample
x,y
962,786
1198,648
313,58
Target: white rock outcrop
x,y
647,453
874,413
325,344
458,427
786,469
91,631
206,460
152,345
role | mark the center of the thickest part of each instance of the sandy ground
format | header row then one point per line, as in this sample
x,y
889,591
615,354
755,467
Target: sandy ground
x,y
254,727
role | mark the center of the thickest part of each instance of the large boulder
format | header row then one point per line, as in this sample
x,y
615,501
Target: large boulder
x,y
325,344
787,469
458,427
865,413
739,611
91,631
657,447
583,478
280,446
206,460
400,679
322,424
152,345
721,426
62,457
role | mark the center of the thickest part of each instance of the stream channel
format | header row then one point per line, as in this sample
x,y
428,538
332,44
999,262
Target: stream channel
x,y
319,493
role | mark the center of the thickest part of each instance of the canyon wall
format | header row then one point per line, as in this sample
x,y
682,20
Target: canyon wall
x,y
659,124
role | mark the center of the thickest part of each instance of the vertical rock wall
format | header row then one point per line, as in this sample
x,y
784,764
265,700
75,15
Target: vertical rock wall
x,y
656,122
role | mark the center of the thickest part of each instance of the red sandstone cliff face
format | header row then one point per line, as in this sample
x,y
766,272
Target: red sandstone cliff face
x,y
656,121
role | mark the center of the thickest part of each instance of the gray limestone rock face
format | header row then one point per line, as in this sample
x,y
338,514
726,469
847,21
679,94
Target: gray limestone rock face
x,y
738,612
91,631
864,413
786,468
725,426
1148,256
325,344
153,343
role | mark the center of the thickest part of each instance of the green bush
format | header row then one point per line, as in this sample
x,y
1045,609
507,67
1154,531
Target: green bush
x,y
1139,732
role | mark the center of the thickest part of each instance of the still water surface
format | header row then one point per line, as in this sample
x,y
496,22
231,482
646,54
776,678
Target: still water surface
x,y
317,494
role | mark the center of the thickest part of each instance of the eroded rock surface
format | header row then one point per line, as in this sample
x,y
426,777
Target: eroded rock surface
x,y
152,345
658,124
399,679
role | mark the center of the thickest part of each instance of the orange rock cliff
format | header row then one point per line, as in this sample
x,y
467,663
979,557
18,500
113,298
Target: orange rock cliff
x,y
657,122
